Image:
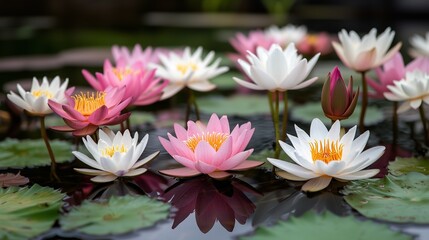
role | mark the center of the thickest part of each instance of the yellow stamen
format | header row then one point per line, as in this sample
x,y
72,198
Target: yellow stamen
x,y
39,93
215,139
183,67
122,73
110,151
87,103
326,150
312,39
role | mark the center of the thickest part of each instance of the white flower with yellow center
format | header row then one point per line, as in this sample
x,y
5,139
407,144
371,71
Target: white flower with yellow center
x,y
324,155
35,101
420,46
413,90
188,70
114,155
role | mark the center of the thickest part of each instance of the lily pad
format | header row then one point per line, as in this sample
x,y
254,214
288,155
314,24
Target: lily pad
x,y
225,81
314,226
402,198
32,153
28,212
115,216
267,153
406,165
307,112
241,105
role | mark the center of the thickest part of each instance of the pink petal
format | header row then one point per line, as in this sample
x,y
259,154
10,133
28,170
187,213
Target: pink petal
x,y
248,164
365,60
181,132
98,115
116,120
180,147
189,163
219,174
90,129
73,114
167,145
91,80
180,172
194,128
204,152
115,110
62,128
225,124
57,108
204,167
235,160
214,124
224,152
75,124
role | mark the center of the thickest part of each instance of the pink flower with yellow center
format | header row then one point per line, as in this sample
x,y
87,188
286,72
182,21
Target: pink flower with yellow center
x,y
315,43
211,149
140,84
85,112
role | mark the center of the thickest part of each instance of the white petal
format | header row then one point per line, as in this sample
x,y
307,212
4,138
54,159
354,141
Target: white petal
x,y
293,168
359,175
104,178
316,184
88,161
135,172
145,160
318,130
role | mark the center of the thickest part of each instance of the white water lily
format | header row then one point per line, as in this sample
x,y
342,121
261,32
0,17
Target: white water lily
x,y
35,101
413,90
188,70
324,155
367,53
287,34
277,69
115,155
420,46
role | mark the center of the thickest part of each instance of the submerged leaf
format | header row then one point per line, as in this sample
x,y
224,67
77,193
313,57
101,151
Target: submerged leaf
x,y
402,198
314,226
307,112
115,216
10,179
406,165
28,212
32,152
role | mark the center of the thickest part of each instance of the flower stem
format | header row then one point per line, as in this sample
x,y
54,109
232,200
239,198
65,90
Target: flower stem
x,y
425,129
285,112
364,103
395,123
194,101
277,124
54,175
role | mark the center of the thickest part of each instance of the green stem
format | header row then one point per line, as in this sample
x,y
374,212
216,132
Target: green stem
x,y
194,101
364,103
276,124
188,107
395,123
285,112
423,118
54,175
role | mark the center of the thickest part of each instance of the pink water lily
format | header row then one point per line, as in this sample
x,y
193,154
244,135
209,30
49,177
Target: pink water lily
x,y
242,44
312,44
211,149
85,112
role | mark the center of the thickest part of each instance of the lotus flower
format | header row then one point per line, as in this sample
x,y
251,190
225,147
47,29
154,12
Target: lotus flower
x,y
115,155
338,101
124,57
394,69
277,69
211,149
287,34
85,112
413,90
420,46
315,43
188,70
35,101
324,155
367,53
242,44
139,83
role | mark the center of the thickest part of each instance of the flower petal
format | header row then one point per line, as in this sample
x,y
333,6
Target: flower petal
x,y
180,172
293,168
316,184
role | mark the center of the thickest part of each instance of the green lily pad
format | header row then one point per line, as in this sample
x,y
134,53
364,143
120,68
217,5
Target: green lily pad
x,y
406,165
402,198
307,112
267,153
225,81
117,215
32,153
28,212
325,226
241,105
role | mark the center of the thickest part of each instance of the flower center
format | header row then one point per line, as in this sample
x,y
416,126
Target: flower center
x,y
40,93
326,150
122,73
87,103
184,67
215,139
110,151
312,39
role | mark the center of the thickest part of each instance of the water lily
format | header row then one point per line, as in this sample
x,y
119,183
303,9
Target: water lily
x,y
363,55
124,57
211,149
242,44
85,112
35,101
114,155
324,155
287,34
314,43
338,101
420,45
139,83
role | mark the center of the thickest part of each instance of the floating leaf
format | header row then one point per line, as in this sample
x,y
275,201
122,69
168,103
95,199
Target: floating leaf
x,y
402,198
10,179
28,212
242,105
115,216
406,165
325,226
32,152
307,112
267,153
225,81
